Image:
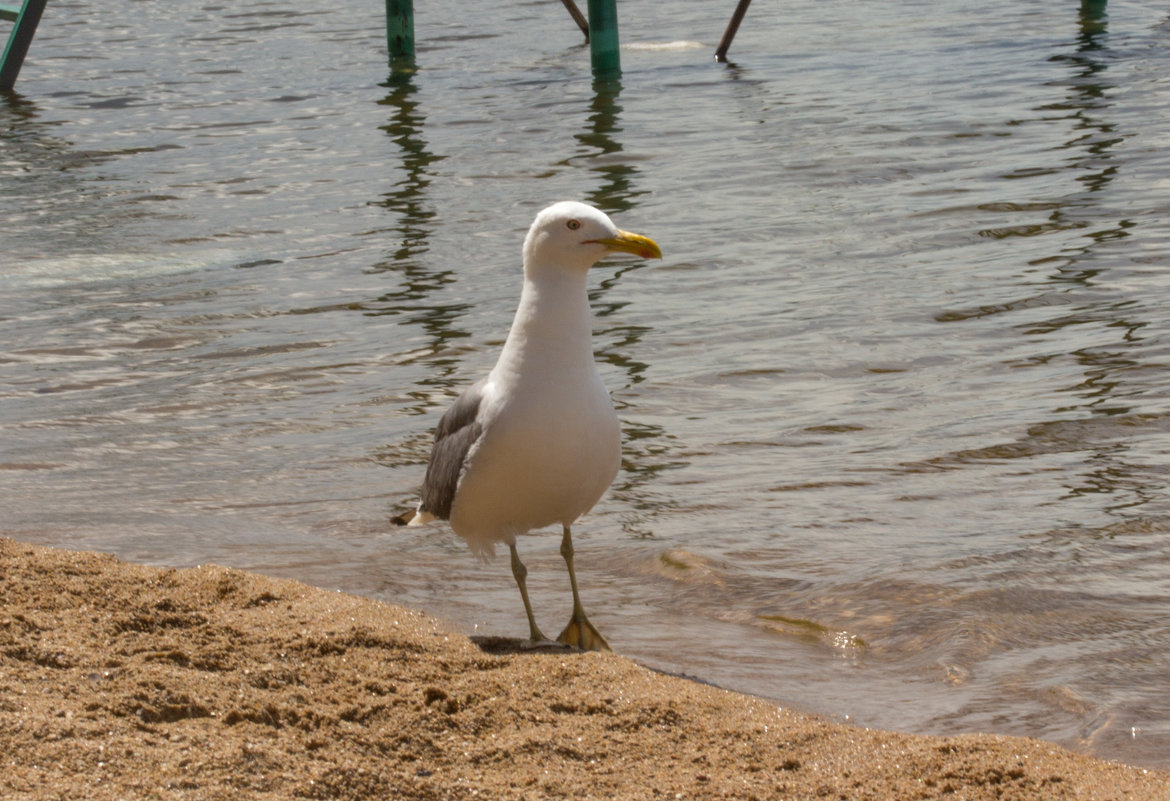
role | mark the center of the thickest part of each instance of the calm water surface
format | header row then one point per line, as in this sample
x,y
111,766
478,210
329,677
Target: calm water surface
x,y
896,403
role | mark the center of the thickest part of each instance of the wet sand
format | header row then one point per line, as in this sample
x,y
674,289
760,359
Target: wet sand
x,y
125,681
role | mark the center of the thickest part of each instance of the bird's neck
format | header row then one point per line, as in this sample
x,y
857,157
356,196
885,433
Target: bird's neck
x,y
553,325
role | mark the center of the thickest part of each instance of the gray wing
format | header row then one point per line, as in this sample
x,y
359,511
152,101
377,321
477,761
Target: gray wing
x,y
457,431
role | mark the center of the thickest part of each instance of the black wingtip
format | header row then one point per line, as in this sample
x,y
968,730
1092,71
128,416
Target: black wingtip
x,y
404,518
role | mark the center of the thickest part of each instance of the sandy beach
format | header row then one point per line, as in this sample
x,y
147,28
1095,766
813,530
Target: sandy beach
x,y
122,681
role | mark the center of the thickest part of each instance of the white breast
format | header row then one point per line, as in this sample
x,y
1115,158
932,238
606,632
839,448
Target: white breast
x,y
545,457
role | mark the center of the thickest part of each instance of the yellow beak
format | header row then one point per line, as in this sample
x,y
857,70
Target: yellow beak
x,y
639,245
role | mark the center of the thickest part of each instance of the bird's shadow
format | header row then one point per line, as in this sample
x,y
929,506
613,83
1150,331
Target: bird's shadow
x,y
506,646
499,646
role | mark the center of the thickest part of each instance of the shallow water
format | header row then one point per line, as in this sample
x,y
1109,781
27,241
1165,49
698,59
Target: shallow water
x,y
895,402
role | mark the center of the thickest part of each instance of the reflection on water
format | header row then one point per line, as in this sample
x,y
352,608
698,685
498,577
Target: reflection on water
x,y
415,301
894,403
617,191
1073,278
408,198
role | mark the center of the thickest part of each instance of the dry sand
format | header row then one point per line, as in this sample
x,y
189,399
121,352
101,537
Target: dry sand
x,y
124,681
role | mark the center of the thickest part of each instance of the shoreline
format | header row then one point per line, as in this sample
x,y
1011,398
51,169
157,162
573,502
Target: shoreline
x,y
120,680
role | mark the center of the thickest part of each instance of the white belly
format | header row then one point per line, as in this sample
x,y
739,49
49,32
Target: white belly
x,y
544,458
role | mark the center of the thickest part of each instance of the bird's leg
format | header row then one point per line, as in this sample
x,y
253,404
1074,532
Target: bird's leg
x,y
521,572
580,632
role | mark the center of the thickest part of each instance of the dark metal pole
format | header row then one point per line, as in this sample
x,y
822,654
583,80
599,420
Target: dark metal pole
x,y
578,17
732,27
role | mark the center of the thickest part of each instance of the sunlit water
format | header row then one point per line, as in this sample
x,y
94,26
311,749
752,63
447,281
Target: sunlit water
x,y
896,408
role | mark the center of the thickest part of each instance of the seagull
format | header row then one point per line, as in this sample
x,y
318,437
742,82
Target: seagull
x,y
537,441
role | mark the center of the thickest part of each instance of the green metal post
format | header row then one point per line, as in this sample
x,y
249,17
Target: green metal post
x,y
1093,8
26,16
400,29
1094,19
603,39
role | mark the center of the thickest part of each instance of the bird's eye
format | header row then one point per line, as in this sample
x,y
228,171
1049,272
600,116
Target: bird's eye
x,y
573,225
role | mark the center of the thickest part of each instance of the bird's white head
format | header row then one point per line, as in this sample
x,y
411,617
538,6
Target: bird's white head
x,y
574,236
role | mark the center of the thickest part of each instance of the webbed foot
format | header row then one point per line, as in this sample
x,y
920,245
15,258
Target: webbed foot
x,y
581,634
